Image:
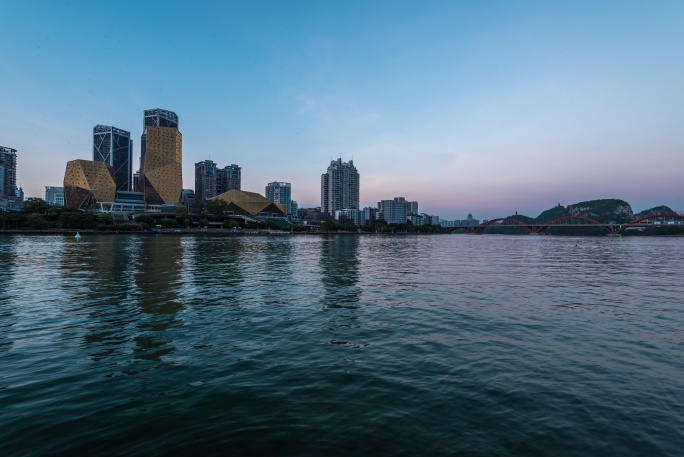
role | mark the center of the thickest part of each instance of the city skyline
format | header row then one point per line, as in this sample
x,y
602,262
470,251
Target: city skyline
x,y
466,108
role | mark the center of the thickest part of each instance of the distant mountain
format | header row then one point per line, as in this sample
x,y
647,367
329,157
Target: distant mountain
x,y
609,211
662,209
551,214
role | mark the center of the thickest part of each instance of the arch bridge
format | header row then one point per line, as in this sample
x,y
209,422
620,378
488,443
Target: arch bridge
x,y
575,221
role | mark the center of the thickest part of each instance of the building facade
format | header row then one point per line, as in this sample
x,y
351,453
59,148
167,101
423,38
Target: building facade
x,y
280,192
369,215
397,211
54,195
205,180
87,183
354,215
114,147
160,118
228,178
161,145
340,187
210,180
8,172
188,199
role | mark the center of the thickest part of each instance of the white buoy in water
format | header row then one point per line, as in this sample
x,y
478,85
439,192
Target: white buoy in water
x,y
78,236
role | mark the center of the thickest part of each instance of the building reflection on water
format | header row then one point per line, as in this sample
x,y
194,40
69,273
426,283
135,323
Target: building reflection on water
x,y
157,284
340,271
8,318
276,273
214,271
126,287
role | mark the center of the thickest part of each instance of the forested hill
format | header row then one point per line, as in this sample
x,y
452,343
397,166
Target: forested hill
x,y
609,211
662,209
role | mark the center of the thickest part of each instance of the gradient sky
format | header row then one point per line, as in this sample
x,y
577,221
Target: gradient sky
x,y
483,107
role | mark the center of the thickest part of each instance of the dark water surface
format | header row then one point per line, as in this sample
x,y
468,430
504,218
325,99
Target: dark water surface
x,y
341,345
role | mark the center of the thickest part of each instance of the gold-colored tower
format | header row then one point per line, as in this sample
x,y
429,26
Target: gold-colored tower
x,y
161,175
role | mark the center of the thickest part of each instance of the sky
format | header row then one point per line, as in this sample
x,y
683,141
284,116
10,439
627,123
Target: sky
x,y
466,107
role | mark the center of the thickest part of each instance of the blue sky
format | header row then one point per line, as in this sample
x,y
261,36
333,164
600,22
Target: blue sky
x,y
482,107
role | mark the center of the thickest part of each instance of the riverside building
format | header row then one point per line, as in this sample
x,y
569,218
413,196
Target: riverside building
x,y
397,211
8,172
281,192
228,178
11,198
54,195
114,147
210,180
87,183
340,187
161,145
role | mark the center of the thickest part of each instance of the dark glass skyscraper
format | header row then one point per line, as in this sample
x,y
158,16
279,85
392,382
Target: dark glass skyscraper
x,y
160,118
114,147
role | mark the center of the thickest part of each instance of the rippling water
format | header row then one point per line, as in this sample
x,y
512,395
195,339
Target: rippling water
x,y
341,345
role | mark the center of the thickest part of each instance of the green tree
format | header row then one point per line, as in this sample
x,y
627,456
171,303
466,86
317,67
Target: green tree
x,y
77,219
105,219
35,205
37,221
329,226
200,209
230,223
182,217
145,219
216,207
168,222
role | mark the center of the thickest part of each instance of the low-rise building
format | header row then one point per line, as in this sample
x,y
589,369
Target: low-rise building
x,y
54,195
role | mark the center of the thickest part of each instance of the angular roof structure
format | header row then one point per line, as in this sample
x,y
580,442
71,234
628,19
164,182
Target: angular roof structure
x,y
87,182
250,203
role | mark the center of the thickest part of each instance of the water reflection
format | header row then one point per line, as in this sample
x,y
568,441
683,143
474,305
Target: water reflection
x,y
97,274
216,270
7,315
276,270
340,270
158,281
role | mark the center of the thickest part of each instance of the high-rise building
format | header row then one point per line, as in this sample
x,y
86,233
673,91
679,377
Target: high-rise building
x,y
161,146
160,118
210,180
54,195
339,187
280,192
394,211
8,172
397,211
114,147
205,180
369,215
228,178
353,215
412,207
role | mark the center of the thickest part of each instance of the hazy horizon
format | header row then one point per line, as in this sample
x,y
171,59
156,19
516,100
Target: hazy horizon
x,y
482,108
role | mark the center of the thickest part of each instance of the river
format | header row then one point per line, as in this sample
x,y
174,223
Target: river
x,y
341,345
